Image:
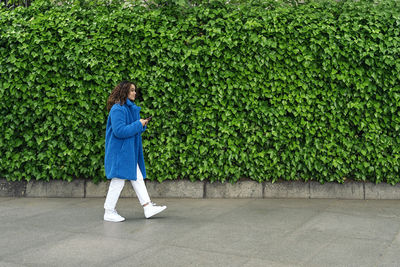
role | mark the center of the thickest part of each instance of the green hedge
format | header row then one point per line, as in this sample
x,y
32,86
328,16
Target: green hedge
x,y
260,89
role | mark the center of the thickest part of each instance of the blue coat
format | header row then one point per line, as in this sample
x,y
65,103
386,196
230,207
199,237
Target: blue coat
x,y
124,142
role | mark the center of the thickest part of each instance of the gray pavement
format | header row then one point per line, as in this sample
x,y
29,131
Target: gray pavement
x,y
201,232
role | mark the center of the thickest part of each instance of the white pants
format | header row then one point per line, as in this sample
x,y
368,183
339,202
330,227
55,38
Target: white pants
x,y
116,186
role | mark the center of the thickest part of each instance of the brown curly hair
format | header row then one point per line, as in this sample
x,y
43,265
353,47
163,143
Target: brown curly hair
x,y
119,94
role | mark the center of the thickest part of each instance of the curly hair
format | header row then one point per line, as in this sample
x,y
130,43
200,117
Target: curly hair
x,y
119,94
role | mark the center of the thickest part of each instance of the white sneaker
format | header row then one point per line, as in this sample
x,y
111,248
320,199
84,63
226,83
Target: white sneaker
x,y
113,216
151,209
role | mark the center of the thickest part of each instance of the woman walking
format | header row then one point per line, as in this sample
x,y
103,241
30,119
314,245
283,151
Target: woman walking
x,y
124,152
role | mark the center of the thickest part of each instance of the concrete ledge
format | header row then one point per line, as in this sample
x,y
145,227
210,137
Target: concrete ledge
x,y
199,189
97,190
241,189
56,188
349,190
172,189
101,189
176,189
382,191
287,189
12,189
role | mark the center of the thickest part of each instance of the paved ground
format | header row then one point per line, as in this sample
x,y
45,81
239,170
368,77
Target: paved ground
x,y
202,232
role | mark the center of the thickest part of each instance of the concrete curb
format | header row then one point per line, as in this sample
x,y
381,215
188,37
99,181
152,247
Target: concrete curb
x,y
350,190
12,189
384,191
286,189
55,188
241,189
81,188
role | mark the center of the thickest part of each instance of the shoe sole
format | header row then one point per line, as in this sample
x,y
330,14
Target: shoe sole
x,y
155,213
108,220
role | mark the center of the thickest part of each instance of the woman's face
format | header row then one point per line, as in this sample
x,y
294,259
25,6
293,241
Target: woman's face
x,y
132,93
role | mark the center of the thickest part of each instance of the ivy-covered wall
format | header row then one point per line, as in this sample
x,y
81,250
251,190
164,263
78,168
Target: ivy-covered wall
x,y
260,89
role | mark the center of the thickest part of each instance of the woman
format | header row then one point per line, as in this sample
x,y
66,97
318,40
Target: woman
x,y
124,152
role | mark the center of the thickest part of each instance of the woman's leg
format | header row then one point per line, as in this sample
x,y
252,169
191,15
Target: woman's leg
x,y
150,209
140,188
116,186
110,214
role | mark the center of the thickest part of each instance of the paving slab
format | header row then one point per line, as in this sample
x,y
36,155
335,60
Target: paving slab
x,y
352,251
23,237
20,209
201,232
389,256
255,262
10,264
168,255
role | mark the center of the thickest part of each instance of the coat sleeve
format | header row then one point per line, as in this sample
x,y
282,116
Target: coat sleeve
x,y
119,126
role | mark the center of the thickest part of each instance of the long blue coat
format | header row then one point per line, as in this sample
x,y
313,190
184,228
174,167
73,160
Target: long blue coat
x,y
124,148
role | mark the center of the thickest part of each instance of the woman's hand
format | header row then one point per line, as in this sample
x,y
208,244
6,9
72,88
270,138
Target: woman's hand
x,y
143,122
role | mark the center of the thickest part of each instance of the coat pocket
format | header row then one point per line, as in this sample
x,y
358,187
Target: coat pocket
x,y
127,146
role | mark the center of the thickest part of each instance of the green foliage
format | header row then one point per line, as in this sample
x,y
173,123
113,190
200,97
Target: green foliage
x,y
256,89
